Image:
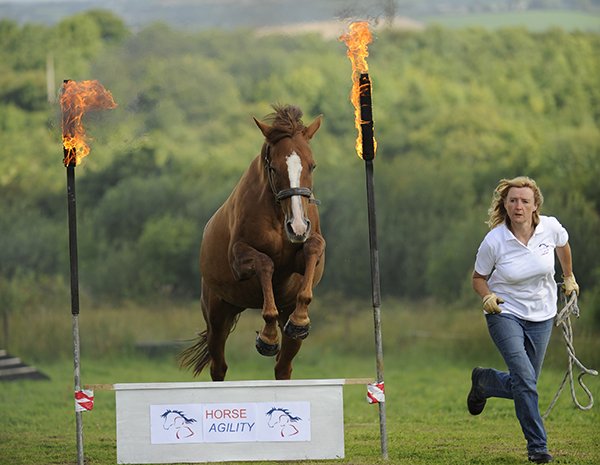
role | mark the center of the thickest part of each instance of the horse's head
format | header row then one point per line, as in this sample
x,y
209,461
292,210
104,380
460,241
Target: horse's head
x,y
289,165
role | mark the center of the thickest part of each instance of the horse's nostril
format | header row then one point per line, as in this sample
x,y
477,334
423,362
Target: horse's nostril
x,y
290,228
297,236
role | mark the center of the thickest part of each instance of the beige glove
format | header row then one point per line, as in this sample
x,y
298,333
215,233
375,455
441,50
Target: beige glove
x,y
491,303
570,285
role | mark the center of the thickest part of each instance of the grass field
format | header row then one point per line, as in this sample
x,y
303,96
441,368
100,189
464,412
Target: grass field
x,y
537,20
427,421
429,353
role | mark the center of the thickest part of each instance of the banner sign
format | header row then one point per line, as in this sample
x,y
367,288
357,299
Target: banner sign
x,y
84,400
376,393
230,422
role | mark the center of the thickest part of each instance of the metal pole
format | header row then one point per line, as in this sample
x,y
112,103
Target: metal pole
x,y
376,297
74,294
368,148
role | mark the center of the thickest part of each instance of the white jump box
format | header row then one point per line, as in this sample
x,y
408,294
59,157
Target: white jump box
x,y
229,421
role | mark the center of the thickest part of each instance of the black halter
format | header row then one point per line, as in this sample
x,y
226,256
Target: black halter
x,y
285,193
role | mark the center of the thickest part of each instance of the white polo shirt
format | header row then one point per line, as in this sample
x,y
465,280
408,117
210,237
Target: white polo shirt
x,y
523,275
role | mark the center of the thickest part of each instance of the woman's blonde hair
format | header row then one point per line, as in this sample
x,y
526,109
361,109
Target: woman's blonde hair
x,y
497,213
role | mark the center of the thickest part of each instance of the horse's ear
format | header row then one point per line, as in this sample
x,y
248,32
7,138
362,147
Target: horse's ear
x,y
309,132
264,128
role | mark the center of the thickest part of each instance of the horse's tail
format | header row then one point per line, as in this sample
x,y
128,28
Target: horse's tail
x,y
195,357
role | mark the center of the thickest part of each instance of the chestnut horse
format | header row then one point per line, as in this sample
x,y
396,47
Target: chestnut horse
x,y
263,248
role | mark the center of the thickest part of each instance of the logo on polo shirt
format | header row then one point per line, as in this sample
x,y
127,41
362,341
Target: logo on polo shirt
x,y
544,249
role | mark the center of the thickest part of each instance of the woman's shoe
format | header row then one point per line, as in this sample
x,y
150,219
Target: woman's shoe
x,y
475,400
540,457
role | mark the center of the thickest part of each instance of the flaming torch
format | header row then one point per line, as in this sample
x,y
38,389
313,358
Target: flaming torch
x,y
357,40
76,99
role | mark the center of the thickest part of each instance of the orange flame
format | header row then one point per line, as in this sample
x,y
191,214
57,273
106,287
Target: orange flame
x,y
357,40
76,99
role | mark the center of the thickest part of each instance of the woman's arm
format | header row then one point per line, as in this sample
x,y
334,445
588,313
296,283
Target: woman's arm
x,y
564,257
491,302
566,263
480,284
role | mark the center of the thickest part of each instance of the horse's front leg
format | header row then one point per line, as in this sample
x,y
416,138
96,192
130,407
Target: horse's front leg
x,y
247,262
298,324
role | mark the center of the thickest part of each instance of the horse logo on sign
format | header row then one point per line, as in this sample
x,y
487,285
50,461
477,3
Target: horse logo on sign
x,y
281,418
178,422
172,424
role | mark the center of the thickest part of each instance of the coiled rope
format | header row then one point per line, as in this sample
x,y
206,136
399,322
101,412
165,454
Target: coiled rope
x,y
563,319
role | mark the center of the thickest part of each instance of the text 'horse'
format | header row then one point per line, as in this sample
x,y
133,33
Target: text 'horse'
x,y
263,248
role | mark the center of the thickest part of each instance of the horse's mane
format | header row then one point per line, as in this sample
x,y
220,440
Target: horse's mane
x,y
284,411
285,121
180,413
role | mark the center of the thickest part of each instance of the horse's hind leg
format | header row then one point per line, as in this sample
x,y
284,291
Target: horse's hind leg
x,y
220,318
289,349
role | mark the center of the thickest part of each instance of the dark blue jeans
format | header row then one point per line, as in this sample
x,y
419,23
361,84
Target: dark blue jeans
x,y
523,345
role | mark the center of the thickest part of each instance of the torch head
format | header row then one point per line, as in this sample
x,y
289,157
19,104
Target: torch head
x,y
357,41
366,118
76,99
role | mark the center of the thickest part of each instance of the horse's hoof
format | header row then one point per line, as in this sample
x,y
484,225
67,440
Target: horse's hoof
x,y
295,331
266,349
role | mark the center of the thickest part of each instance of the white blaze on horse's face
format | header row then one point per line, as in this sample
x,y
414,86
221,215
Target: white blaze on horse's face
x,y
298,223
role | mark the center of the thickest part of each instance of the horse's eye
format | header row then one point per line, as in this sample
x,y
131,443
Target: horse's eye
x,y
312,168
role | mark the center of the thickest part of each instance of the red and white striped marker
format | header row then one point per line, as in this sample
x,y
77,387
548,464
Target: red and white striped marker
x,y
375,393
84,400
